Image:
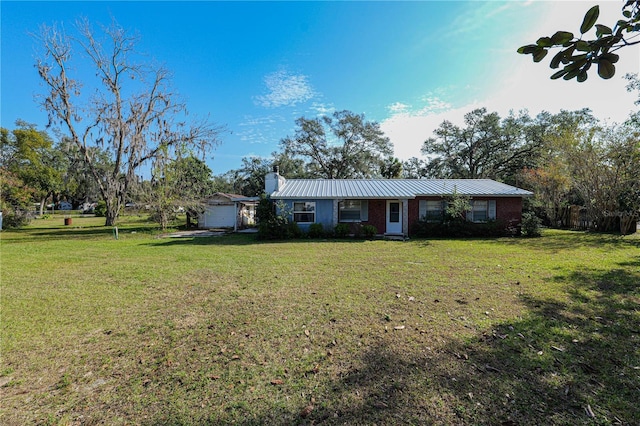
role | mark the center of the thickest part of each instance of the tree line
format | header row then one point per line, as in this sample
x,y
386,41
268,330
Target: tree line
x,y
568,158
128,122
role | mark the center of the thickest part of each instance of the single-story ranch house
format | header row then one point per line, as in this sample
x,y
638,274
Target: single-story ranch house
x,y
391,205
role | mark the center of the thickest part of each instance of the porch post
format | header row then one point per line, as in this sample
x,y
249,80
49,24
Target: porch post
x,y
235,222
405,217
334,218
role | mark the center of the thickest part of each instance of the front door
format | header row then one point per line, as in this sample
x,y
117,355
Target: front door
x,y
394,217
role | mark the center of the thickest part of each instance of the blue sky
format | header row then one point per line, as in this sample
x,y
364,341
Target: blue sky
x,y
257,66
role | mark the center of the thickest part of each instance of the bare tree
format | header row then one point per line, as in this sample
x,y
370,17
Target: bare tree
x,y
131,111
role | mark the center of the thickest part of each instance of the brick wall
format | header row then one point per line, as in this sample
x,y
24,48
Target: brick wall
x,y
377,215
508,209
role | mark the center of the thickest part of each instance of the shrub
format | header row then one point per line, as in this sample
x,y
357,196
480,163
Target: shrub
x,y
100,209
369,231
316,230
272,225
341,230
459,229
530,226
13,219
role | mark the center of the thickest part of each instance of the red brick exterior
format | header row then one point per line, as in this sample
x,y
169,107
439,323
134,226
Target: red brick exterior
x,y
377,215
508,211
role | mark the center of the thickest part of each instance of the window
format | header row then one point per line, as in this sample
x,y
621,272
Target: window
x,y
480,213
394,212
353,211
304,212
430,210
482,210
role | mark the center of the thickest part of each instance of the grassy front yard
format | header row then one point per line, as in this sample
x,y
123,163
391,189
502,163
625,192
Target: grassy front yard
x,y
218,330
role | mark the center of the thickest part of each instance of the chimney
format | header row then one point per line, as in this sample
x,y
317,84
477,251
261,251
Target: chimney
x,y
273,181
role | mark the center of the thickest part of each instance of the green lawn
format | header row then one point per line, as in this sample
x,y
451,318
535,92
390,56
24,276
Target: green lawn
x,y
151,330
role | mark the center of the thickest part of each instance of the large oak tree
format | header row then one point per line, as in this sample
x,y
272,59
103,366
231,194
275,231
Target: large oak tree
x,y
129,110
341,146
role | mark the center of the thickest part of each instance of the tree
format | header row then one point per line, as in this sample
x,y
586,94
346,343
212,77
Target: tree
x,y
578,55
414,168
131,113
487,147
29,155
606,173
78,183
391,168
340,146
176,185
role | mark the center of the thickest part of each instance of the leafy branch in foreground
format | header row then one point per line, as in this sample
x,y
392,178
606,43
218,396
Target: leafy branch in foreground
x,y
578,55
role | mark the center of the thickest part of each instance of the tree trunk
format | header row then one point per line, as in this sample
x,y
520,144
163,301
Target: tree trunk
x,y
111,217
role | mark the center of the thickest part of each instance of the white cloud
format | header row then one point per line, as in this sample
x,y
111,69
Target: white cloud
x,y
285,89
260,130
519,83
322,109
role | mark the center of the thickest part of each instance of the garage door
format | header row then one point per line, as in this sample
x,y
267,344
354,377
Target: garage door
x,y
220,217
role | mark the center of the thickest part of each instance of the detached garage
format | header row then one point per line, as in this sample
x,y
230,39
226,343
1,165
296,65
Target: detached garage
x,y
228,211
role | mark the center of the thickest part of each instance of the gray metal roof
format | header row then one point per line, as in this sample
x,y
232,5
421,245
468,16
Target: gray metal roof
x,y
393,188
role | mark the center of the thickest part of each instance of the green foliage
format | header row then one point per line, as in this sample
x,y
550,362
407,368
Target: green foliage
x,y
341,146
369,231
391,168
578,55
179,184
28,155
13,219
461,229
100,209
487,146
530,225
341,230
316,230
273,221
457,207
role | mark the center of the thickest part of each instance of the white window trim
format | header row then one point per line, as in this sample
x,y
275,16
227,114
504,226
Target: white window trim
x,y
313,212
423,211
341,209
490,211
362,212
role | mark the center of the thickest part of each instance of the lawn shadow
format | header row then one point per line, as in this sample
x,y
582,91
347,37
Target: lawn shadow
x,y
241,239
554,240
85,233
575,362
563,363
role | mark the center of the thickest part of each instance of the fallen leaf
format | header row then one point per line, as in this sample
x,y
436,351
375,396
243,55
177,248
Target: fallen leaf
x,y
306,332
399,327
277,382
557,348
306,410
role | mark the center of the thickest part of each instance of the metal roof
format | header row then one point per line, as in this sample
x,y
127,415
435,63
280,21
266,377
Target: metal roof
x,y
393,188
